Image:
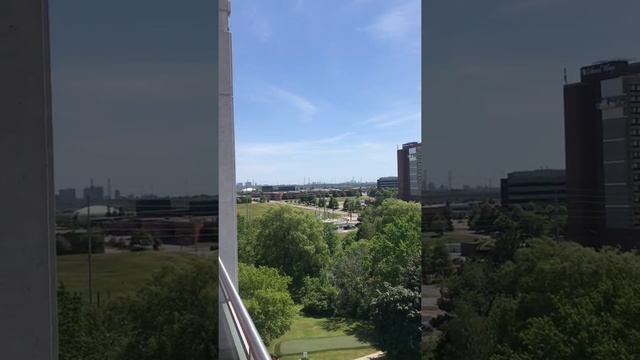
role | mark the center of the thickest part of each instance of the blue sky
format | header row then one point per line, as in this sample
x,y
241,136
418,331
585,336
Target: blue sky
x,y
324,90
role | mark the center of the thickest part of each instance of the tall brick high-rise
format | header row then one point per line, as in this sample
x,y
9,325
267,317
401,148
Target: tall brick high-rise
x,y
410,171
602,143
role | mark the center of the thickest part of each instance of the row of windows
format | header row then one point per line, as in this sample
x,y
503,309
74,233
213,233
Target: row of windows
x,y
636,154
635,143
635,98
635,131
635,110
636,165
635,121
635,87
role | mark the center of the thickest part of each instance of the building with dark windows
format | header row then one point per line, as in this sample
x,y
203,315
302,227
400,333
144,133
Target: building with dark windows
x,y
537,186
66,198
94,193
388,182
272,188
152,208
410,171
602,143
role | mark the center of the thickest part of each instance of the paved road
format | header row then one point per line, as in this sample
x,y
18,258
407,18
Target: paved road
x,y
378,355
430,309
342,214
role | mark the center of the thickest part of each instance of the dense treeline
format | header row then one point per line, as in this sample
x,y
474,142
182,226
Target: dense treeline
x,y
552,301
174,316
372,274
534,298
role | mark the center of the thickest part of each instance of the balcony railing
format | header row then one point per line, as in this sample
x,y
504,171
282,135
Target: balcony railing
x,y
240,338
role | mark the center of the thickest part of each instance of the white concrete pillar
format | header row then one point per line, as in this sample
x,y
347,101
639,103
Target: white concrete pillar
x,y
227,167
28,328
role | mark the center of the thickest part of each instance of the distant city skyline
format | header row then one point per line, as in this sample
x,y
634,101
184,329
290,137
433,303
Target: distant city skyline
x,y
331,98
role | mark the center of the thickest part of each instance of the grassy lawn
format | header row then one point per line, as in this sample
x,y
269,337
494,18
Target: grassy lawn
x,y
335,355
324,338
257,209
113,274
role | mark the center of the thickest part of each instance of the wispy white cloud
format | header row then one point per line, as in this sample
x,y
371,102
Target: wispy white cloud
x,y
392,118
305,107
398,22
290,148
260,24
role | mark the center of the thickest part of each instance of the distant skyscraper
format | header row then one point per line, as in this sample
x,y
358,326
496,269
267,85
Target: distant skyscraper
x,y
94,193
410,171
602,141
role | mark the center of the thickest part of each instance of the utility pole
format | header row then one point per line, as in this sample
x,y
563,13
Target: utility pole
x,y
90,241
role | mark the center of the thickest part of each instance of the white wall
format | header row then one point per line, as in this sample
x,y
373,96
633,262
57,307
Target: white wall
x,y
28,328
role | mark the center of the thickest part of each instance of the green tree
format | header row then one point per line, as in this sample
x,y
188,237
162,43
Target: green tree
x,y
396,319
330,236
333,203
352,277
291,240
246,240
484,217
438,224
265,294
397,241
435,261
318,297
70,325
551,301
375,218
175,316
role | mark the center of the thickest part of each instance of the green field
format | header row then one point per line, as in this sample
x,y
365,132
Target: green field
x,y
113,274
335,355
324,339
256,209
292,347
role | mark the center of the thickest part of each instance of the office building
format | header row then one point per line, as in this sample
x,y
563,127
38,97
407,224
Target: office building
x,y
66,198
537,186
388,182
94,193
154,208
272,188
602,143
410,171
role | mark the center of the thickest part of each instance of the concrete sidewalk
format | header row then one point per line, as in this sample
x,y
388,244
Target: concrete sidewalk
x,y
379,355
